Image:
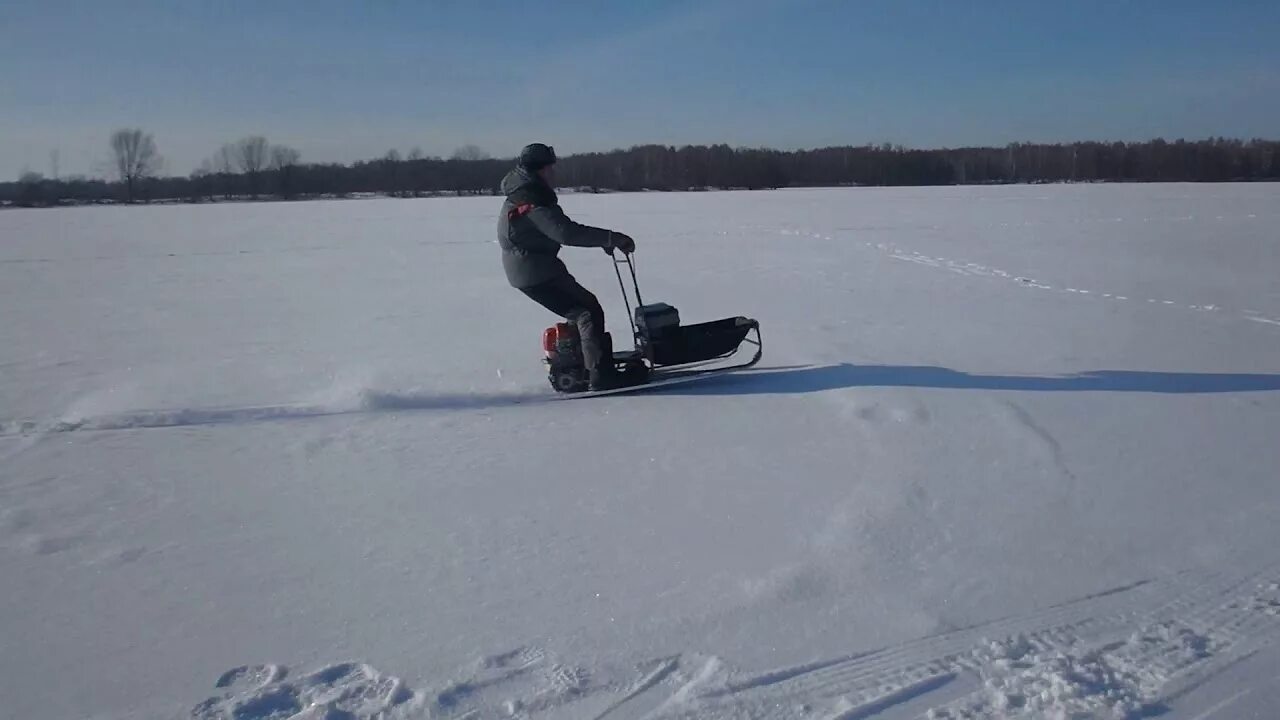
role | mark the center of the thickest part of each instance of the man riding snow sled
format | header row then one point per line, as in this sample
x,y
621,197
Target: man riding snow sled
x,y
531,230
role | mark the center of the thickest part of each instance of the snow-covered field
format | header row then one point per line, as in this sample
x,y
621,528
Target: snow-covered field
x,y
1010,452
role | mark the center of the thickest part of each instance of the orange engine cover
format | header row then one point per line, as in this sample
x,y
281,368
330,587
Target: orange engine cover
x,y
558,337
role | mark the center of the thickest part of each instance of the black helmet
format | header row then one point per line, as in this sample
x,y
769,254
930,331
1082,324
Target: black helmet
x,y
536,156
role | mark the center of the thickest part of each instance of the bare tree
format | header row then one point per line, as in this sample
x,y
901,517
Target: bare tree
x,y
416,171
201,184
224,161
283,160
251,155
135,157
283,156
391,170
223,165
30,189
470,153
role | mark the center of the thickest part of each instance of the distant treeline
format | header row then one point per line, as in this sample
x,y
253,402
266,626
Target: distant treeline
x,y
277,173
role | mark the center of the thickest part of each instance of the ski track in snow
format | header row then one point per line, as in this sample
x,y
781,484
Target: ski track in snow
x,y
1120,653
369,401
961,267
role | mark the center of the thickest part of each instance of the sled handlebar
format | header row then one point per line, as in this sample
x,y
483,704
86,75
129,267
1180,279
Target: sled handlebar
x,y
631,265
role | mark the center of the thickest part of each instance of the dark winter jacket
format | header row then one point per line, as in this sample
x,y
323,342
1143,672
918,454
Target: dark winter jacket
x,y
532,228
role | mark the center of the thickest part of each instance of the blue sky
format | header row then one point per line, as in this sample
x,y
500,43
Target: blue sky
x,y
343,81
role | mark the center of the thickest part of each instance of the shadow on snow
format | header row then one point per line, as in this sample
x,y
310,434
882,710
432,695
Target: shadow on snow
x,y
783,381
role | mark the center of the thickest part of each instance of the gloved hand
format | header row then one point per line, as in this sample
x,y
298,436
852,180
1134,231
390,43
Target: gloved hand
x,y
623,242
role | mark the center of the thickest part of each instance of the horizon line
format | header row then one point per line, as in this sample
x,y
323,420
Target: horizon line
x,y
887,146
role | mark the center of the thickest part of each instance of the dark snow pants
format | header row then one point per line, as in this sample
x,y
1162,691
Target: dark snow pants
x,y
568,299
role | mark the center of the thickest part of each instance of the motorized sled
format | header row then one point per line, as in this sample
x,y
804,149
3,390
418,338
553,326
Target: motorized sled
x,y
665,351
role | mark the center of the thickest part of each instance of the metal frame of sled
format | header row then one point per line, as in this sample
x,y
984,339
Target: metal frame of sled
x,y
728,331
664,349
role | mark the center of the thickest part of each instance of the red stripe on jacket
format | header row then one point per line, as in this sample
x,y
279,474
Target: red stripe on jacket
x,y
519,210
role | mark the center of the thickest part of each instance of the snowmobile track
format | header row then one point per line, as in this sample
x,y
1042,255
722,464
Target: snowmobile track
x,y
1118,653
1123,652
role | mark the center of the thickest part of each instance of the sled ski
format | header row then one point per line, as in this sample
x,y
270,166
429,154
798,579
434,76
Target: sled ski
x,y
660,380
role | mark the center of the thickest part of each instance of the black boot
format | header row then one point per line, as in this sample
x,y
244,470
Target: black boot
x,y
602,375
608,377
605,377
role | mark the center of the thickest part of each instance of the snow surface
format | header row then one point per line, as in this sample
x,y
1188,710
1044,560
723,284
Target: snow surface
x,y
1011,452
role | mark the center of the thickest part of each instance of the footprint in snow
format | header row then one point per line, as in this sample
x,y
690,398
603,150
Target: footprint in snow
x,y
353,691
521,681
